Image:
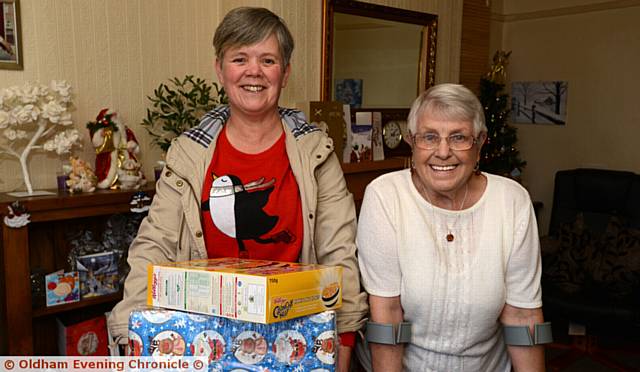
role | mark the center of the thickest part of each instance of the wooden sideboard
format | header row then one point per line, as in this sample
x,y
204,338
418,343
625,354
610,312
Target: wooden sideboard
x,y
358,175
42,244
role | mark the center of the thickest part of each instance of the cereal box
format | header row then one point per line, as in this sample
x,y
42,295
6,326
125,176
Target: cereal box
x,y
308,343
258,291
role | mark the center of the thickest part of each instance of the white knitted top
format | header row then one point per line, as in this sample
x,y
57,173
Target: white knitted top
x,y
452,292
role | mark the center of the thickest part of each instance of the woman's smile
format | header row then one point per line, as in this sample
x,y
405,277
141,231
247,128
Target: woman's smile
x,y
253,88
443,168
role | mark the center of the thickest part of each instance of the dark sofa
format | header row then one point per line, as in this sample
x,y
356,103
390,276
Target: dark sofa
x,y
591,257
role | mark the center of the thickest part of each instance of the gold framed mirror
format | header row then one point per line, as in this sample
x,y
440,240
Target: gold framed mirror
x,y
10,39
388,54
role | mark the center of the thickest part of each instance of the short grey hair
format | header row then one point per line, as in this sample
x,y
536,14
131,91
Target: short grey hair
x,y
449,102
247,26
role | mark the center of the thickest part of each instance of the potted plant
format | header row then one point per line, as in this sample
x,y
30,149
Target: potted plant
x,y
178,106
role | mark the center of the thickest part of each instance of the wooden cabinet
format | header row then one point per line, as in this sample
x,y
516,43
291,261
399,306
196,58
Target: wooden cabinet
x,y
358,175
42,244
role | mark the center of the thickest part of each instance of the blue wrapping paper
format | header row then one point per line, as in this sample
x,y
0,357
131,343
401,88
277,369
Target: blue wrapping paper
x,y
307,343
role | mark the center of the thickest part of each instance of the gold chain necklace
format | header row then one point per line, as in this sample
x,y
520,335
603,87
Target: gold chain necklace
x,y
450,236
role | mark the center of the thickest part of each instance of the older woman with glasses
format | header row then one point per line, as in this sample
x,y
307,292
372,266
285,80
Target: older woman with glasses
x,y
450,255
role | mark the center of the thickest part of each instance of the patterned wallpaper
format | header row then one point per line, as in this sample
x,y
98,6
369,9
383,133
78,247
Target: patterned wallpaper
x,y
116,52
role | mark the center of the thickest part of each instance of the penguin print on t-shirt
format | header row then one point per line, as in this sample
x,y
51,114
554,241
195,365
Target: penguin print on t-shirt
x,y
237,210
251,204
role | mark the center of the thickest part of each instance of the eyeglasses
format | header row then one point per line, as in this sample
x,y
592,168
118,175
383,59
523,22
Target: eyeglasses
x,y
456,142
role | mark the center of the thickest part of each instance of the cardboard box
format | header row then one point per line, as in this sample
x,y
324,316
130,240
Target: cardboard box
x,y
84,338
303,344
252,290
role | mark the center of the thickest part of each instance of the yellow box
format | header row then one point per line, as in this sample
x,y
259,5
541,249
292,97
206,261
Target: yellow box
x,y
257,291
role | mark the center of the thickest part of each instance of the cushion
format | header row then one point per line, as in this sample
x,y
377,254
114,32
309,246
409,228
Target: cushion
x,y
619,269
602,266
565,258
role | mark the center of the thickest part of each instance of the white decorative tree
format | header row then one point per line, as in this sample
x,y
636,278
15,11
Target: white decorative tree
x,y
36,117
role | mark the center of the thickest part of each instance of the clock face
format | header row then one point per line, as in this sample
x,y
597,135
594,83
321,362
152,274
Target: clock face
x,y
392,134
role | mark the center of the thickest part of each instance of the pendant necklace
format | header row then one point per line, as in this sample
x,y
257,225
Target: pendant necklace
x,y
450,237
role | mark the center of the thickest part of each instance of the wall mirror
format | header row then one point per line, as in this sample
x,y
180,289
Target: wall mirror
x,y
10,40
376,56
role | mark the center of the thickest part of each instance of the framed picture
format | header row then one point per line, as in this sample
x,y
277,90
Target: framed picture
x,y
539,102
349,91
10,39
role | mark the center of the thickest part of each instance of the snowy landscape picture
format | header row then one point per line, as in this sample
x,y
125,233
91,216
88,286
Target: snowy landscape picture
x,y
539,102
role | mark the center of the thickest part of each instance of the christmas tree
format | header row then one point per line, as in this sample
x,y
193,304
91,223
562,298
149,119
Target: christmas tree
x,y
499,154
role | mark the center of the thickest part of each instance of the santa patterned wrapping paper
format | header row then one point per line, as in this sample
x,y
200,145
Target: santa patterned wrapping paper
x,y
307,343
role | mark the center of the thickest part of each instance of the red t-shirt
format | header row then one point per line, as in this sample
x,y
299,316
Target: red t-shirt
x,y
251,204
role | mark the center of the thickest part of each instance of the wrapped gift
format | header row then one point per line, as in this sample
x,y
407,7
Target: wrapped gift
x,y
307,343
259,291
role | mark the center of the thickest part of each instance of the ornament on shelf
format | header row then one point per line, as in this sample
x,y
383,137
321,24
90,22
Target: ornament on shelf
x,y
116,148
140,202
130,176
81,177
36,117
17,216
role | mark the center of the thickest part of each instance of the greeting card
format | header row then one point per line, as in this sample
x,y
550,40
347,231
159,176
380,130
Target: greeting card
x,y
62,288
329,116
98,274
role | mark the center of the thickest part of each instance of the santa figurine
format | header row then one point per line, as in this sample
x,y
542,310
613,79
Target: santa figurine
x,y
116,148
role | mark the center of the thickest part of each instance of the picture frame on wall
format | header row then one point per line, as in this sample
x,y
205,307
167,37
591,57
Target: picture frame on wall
x,y
539,102
10,35
349,91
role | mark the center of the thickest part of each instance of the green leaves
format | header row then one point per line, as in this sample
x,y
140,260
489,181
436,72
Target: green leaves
x,y
178,106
